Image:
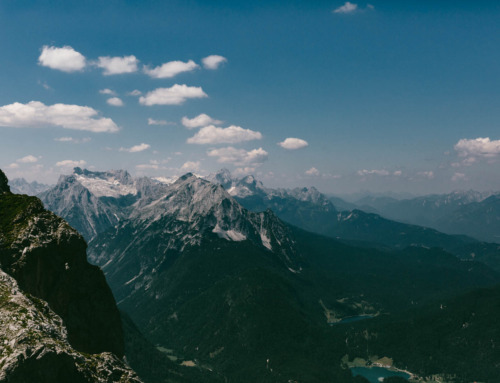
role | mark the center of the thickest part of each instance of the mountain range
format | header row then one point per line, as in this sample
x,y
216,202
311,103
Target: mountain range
x,y
222,280
472,213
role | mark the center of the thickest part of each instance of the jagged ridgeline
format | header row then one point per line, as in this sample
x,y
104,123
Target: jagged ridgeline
x,y
59,320
241,293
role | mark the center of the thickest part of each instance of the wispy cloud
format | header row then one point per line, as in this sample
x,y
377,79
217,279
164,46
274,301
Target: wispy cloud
x,y
312,172
191,166
293,143
348,7
65,59
231,135
136,148
107,91
135,92
27,159
239,157
117,65
213,61
199,121
429,174
458,177
152,121
73,140
175,95
115,101
378,172
171,69
67,164
38,115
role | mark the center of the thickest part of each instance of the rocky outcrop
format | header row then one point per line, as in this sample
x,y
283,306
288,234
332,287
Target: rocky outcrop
x,y
35,345
48,259
4,183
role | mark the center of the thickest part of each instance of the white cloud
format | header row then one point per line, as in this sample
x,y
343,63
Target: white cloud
x,y
397,173
479,147
239,157
44,85
147,166
240,172
293,143
73,140
115,101
65,59
118,65
231,135
213,61
136,148
426,174
135,92
71,164
107,91
171,69
377,172
13,166
458,177
36,115
199,121
312,172
191,166
175,95
27,160
347,8
152,121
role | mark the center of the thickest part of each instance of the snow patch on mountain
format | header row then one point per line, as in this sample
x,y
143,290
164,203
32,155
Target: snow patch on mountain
x,y
106,187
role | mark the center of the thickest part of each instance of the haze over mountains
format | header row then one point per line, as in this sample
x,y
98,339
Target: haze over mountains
x,y
211,271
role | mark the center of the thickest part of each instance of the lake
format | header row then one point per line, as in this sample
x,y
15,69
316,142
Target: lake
x,y
374,374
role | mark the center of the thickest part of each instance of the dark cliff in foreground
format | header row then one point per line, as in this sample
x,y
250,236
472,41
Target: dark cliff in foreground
x,y
55,308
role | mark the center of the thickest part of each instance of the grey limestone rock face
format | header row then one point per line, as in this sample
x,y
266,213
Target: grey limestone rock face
x,y
35,345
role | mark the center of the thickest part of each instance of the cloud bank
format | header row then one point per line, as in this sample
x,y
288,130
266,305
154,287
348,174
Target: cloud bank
x,y
479,147
35,114
231,135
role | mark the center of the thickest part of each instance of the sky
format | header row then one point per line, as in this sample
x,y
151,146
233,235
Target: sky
x,y
385,96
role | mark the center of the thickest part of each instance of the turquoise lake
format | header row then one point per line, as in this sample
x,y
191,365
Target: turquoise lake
x,y
375,374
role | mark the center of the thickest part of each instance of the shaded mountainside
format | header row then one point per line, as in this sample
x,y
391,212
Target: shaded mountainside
x,y
469,212
250,298
310,210
45,279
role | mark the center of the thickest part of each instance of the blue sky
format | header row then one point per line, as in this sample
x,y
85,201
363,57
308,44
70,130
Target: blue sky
x,y
380,96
